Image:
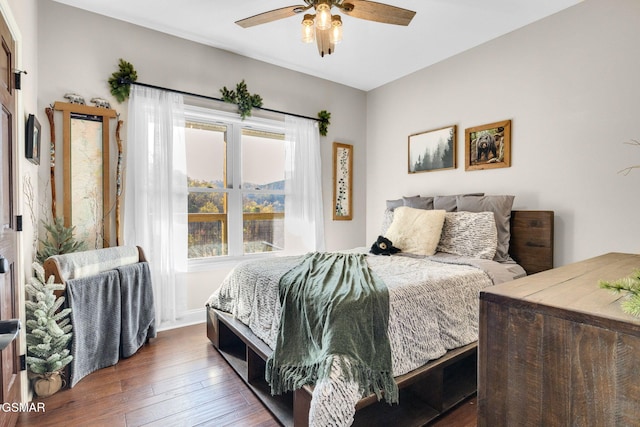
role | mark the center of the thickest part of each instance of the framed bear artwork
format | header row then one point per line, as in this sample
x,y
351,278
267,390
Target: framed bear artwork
x,y
488,146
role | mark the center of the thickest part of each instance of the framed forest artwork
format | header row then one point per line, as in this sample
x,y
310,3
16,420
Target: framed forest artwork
x,y
433,150
342,181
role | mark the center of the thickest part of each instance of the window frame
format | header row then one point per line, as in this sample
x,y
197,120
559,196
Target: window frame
x,y
234,188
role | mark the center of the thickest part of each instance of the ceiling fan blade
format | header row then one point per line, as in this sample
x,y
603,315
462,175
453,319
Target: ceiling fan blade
x,y
272,15
378,12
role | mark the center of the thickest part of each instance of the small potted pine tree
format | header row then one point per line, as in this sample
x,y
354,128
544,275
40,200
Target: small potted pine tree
x,y
48,334
60,240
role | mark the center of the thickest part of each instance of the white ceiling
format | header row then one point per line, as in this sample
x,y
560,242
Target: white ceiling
x,y
371,54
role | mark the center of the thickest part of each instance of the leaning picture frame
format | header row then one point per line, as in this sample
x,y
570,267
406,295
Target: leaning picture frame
x,y
432,150
86,168
488,146
32,140
342,181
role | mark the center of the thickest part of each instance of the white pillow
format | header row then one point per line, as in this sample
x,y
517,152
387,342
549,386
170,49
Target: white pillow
x,y
469,234
416,231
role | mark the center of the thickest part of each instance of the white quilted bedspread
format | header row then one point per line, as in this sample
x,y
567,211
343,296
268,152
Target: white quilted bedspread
x,y
433,309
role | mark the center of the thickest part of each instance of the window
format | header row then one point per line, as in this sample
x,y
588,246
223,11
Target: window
x,y
235,172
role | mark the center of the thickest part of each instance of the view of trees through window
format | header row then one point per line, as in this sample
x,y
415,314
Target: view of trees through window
x,y
226,218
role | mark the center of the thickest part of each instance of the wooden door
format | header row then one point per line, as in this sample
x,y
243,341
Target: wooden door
x,y
9,302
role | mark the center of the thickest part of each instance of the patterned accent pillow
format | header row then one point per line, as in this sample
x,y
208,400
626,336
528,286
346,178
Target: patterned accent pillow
x,y
501,206
469,234
387,219
416,231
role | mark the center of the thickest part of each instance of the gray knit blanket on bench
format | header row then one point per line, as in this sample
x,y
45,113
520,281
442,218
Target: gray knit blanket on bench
x,y
112,315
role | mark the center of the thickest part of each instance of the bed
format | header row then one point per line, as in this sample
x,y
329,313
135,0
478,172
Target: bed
x,y
434,372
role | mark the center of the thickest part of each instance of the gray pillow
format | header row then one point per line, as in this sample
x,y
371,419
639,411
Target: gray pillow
x,y
418,202
501,207
396,203
392,204
448,203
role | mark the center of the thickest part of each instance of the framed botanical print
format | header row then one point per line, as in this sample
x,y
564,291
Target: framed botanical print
x,y
342,181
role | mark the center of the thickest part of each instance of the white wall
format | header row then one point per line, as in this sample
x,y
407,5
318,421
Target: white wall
x,y
570,84
79,50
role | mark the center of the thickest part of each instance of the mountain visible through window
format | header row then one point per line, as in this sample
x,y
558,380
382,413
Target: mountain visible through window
x,y
236,189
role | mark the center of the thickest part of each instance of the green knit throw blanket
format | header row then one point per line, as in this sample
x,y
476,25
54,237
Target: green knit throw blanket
x,y
333,308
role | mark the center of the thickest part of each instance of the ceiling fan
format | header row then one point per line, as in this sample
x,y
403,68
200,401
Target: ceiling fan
x,y
325,28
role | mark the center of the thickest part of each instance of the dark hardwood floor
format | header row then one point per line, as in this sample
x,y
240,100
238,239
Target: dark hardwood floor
x,y
178,379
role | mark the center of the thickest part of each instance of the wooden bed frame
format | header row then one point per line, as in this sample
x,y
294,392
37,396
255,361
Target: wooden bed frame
x,y
426,392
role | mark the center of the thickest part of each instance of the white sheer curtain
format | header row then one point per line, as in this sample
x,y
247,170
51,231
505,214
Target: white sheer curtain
x,y
156,192
304,223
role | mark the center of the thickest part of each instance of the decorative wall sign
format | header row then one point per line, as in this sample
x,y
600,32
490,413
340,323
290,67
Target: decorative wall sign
x,y
342,181
32,147
488,146
433,150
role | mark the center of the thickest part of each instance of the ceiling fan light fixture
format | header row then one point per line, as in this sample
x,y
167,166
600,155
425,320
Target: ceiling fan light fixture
x,y
325,29
323,16
323,40
308,30
336,29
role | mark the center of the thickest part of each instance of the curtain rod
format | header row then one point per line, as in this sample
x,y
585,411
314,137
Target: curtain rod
x,y
211,98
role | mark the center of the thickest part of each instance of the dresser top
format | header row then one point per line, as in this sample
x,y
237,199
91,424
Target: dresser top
x,y
573,288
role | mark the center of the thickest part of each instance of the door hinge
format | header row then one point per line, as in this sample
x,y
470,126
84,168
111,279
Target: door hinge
x,y
17,78
23,362
19,223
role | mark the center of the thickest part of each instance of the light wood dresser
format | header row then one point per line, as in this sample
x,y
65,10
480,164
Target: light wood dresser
x,y
556,350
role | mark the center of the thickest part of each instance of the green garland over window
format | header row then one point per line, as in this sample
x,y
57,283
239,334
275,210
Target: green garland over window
x,y
242,98
120,81
324,117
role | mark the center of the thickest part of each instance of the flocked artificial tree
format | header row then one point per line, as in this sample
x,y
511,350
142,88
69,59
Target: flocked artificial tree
x,y
48,333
